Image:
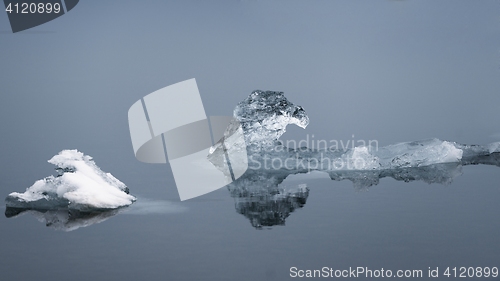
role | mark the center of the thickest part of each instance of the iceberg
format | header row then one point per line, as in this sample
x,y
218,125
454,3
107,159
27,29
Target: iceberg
x,y
262,196
80,185
264,116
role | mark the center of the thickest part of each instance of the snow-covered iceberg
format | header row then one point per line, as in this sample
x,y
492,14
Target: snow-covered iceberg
x,y
80,185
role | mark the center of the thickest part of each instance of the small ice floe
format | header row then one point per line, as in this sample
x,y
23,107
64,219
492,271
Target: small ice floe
x,y
80,185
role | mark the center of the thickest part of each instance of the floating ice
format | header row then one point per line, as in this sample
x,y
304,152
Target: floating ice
x,y
79,185
494,147
262,196
264,116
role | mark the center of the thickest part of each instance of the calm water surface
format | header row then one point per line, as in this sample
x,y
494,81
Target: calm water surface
x,y
394,225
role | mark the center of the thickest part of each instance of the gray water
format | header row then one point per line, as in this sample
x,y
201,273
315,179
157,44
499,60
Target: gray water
x,y
389,71
393,226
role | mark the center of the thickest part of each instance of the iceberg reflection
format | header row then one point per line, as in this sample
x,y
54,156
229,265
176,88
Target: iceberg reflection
x,y
67,219
64,219
262,197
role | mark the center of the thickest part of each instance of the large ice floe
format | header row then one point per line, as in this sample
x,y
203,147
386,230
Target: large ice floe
x,y
80,185
260,194
264,116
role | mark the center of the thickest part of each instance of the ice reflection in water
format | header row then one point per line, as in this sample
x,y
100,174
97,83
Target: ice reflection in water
x,y
64,219
72,219
260,196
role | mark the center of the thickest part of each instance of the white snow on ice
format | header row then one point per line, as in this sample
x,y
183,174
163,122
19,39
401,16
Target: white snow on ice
x,y
81,184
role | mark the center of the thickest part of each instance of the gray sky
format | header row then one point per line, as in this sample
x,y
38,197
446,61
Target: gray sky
x,y
386,70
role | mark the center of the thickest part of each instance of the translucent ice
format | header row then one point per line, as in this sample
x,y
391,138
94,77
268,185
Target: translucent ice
x,y
264,115
261,193
79,185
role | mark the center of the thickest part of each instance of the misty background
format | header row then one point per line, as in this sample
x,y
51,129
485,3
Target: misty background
x,y
390,71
